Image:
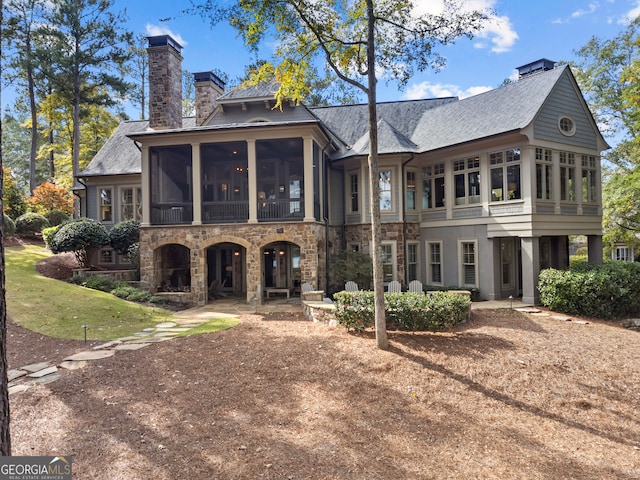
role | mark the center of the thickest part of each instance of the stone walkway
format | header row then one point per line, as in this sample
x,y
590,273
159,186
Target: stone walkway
x,y
22,378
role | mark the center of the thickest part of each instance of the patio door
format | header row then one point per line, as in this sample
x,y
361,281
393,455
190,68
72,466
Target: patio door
x,y
281,265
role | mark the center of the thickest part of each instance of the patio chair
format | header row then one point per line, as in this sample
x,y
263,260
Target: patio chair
x,y
415,286
351,286
394,287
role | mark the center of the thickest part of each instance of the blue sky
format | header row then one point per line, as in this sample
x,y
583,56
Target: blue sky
x,y
519,32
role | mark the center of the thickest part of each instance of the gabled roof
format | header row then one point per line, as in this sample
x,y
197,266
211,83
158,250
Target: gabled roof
x,y
262,91
390,141
498,111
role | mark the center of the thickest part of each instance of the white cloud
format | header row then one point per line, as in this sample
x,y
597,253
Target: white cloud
x,y
427,90
593,6
500,33
631,15
154,30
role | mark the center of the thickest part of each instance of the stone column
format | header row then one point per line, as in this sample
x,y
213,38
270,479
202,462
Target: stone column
x,y
594,246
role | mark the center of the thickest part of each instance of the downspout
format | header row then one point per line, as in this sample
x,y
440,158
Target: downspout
x,y
80,198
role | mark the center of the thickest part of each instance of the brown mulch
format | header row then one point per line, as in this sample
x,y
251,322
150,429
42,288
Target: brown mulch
x,y
505,396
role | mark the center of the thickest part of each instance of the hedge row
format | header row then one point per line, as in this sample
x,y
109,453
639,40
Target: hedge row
x,y
407,310
608,290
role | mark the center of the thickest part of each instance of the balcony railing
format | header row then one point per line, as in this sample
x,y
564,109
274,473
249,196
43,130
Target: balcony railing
x,y
225,212
280,210
171,214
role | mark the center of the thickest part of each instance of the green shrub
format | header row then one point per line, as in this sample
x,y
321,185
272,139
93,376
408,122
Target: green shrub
x,y
80,236
123,235
407,310
133,294
9,226
475,292
57,217
608,290
30,223
104,284
348,265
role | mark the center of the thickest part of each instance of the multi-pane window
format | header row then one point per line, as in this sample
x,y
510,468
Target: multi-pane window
x,y
412,262
411,190
433,186
506,259
130,203
106,256
588,178
105,205
505,175
468,263
466,180
567,176
434,265
385,189
544,174
388,262
623,254
353,185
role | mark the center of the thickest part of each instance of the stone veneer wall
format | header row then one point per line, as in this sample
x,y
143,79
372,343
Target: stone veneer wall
x,y
310,237
165,87
360,234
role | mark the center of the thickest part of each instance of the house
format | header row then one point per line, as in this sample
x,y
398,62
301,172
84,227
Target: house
x,y
481,192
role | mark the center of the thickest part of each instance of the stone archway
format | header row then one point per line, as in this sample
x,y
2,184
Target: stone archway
x,y
226,270
172,268
280,269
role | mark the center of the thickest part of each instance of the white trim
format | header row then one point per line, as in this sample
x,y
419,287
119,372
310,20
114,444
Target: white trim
x,y
428,263
394,259
461,264
567,133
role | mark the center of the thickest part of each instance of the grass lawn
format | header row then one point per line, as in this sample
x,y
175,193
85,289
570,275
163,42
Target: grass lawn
x,y
59,309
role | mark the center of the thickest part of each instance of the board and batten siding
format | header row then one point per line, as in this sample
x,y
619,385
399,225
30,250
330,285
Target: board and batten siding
x,y
234,114
563,101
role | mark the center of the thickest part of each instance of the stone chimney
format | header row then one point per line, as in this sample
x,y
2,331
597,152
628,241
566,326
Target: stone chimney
x,y
165,83
209,87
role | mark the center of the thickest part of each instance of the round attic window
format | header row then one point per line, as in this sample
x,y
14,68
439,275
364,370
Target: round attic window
x,y
567,126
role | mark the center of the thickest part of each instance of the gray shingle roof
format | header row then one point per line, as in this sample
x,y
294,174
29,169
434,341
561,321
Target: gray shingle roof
x,y
262,90
120,155
390,140
502,110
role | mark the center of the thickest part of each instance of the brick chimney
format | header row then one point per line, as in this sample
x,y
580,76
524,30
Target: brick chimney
x,y
209,87
165,83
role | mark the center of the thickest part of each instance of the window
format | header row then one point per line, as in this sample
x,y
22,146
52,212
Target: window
x,y
588,178
355,201
130,203
388,262
106,256
106,205
412,262
567,126
623,254
411,190
544,174
506,259
434,265
468,266
433,186
567,177
467,182
505,175
385,190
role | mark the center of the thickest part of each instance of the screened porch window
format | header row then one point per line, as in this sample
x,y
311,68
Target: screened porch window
x,y
171,185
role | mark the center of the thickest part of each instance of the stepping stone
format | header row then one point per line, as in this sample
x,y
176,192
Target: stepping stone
x,y
562,318
191,322
95,355
18,388
44,380
13,374
166,325
166,334
43,372
141,334
174,329
149,340
73,364
128,339
110,344
150,329
528,310
132,346
34,367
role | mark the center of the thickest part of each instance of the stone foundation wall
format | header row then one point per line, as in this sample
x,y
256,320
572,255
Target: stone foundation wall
x,y
309,236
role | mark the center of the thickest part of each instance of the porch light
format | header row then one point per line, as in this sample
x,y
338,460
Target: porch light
x,y
281,252
281,189
236,253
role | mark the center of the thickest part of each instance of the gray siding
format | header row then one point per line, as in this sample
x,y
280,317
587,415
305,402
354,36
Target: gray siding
x,y
563,101
234,114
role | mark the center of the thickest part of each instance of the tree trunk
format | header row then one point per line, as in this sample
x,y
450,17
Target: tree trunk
x,y
374,187
34,122
52,165
5,434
